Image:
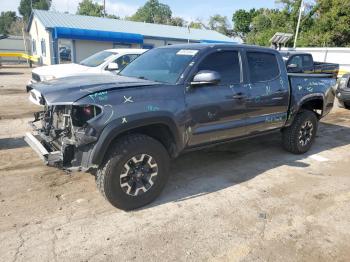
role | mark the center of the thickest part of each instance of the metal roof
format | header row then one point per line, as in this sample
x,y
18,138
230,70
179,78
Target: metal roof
x,y
52,19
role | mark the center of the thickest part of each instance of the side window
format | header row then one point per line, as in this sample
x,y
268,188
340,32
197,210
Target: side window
x,y
307,61
296,60
124,60
262,66
43,47
226,63
34,46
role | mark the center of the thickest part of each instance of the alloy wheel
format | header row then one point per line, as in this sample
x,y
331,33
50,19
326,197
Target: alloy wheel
x,y
305,133
139,174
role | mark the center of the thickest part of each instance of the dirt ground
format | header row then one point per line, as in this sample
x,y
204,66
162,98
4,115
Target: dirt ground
x,y
246,201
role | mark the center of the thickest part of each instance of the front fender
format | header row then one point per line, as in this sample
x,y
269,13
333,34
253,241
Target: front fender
x,y
124,124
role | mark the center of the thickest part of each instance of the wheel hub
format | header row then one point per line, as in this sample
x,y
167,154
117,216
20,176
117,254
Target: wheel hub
x,y
138,175
305,133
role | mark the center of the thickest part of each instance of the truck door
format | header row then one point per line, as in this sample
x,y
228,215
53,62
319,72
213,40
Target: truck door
x,y
268,97
217,112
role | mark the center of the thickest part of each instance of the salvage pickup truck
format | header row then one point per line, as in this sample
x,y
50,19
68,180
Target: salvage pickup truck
x,y
125,129
299,62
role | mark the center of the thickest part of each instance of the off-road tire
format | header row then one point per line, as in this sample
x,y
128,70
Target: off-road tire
x,y
108,174
290,135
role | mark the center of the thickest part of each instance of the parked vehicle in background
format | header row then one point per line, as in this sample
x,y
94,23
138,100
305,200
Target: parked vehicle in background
x,y
171,100
343,91
298,62
106,62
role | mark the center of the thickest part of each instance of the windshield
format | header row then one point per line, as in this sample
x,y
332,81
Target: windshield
x,y
97,59
161,64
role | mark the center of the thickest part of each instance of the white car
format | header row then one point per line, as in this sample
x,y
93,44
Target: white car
x,y
109,61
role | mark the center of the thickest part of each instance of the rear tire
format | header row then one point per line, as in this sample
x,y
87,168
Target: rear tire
x,y
299,137
134,172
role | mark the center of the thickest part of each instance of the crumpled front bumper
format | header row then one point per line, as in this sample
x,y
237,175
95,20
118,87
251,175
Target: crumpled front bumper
x,y
50,158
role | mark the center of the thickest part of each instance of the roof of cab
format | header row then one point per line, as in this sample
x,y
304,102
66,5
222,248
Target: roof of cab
x,y
220,45
127,50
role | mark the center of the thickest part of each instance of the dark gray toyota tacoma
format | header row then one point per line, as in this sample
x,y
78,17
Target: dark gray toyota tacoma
x,y
125,129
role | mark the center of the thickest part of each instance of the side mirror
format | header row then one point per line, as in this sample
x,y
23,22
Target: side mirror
x,y
292,66
206,77
112,67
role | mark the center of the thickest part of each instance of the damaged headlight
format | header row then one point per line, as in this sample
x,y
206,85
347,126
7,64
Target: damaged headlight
x,y
83,113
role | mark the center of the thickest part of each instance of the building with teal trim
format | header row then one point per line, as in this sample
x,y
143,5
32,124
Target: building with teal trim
x,y
61,37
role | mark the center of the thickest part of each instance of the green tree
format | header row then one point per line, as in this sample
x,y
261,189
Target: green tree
x,y
113,16
242,21
220,24
88,7
196,25
6,20
153,12
177,21
265,24
16,27
25,7
331,25
262,22
323,23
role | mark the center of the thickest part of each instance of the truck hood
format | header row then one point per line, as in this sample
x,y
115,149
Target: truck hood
x,y
66,91
62,70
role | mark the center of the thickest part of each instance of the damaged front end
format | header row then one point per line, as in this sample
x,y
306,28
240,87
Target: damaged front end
x,y
63,136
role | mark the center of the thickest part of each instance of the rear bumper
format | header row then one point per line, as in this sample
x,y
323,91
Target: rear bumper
x,y
50,158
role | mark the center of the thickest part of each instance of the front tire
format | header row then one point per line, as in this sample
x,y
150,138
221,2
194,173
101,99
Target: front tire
x,y
299,137
134,172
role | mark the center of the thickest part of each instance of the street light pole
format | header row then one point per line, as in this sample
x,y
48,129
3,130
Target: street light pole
x,y
298,25
104,8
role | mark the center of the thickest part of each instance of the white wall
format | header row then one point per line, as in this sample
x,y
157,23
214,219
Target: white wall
x,y
337,55
38,33
154,42
84,48
12,44
159,42
173,42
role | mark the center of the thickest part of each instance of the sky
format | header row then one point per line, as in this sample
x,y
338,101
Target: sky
x,y
190,10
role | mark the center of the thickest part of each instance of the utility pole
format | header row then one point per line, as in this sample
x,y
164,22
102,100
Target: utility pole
x,y
298,25
104,8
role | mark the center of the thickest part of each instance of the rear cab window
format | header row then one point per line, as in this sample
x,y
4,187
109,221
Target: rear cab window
x,y
307,61
262,66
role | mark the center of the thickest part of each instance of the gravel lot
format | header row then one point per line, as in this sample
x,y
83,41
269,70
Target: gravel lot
x,y
246,201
